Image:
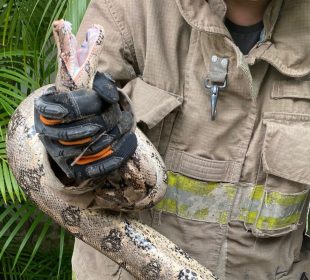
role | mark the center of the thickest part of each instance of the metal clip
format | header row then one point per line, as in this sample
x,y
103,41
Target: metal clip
x,y
214,94
304,276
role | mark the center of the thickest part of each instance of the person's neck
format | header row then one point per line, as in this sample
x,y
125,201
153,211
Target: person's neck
x,y
246,12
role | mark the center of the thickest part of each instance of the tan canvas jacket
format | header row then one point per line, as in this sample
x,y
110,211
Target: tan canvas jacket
x,y
238,185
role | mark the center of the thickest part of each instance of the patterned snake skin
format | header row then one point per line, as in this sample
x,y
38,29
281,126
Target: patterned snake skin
x,y
136,247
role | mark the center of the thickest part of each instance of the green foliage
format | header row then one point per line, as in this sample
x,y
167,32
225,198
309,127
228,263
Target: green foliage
x,y
43,265
28,61
25,229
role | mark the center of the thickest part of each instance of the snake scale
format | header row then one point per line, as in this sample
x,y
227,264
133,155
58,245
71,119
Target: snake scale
x,y
84,210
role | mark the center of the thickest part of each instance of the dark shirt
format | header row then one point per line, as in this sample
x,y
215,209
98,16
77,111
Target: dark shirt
x,y
245,37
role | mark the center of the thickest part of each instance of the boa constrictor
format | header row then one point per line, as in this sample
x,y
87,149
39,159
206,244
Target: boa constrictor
x,y
83,210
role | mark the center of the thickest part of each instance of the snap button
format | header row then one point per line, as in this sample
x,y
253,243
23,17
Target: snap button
x,y
224,62
214,58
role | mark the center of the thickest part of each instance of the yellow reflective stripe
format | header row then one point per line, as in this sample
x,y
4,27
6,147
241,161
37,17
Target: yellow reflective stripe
x,y
258,192
213,202
191,185
251,217
170,205
284,199
208,202
223,218
274,210
201,214
269,223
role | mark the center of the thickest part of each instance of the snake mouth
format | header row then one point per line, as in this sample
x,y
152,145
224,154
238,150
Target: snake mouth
x,y
77,59
92,36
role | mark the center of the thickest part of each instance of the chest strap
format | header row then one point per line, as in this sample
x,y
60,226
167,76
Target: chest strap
x,y
201,168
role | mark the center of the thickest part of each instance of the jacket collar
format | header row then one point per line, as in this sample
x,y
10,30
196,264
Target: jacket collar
x,y
204,16
289,42
287,38
209,15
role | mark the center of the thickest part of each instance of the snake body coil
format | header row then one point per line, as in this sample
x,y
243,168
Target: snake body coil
x,y
138,248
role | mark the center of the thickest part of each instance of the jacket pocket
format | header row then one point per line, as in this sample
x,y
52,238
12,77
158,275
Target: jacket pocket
x,y
280,206
152,104
291,89
155,111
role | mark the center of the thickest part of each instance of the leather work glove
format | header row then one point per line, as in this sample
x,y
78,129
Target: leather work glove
x,y
85,131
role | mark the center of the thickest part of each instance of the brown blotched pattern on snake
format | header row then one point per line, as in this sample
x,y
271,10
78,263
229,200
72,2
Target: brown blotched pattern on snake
x,y
140,249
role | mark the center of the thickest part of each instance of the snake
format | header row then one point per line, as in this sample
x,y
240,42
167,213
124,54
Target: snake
x,y
103,217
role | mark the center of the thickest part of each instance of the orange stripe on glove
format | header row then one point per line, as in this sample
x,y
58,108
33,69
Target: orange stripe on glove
x,y
49,122
91,158
77,142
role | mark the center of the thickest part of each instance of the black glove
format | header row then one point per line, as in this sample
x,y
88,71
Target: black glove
x,y
85,131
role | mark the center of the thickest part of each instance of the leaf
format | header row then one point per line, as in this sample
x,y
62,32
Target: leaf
x,y
12,91
59,9
6,212
16,229
75,12
38,219
2,186
19,77
6,107
308,225
7,180
16,188
13,219
28,59
23,194
38,243
17,52
61,249
6,23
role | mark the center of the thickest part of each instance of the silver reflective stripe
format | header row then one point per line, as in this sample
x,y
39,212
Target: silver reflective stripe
x,y
222,203
211,207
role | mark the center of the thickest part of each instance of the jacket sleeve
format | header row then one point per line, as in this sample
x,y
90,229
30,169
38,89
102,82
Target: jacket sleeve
x,y
151,104
117,57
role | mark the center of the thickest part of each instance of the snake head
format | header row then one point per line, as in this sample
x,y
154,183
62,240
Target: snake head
x,y
76,65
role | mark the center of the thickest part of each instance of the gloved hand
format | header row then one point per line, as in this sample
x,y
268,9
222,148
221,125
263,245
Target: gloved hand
x,y
85,131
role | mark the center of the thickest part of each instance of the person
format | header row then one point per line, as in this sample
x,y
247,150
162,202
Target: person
x,y
222,90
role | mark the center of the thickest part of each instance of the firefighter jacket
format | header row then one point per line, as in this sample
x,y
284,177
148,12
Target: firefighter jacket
x,y
239,173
